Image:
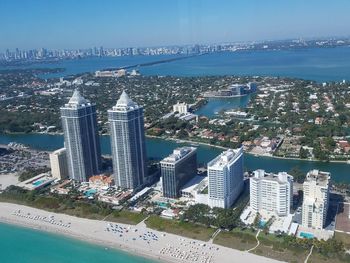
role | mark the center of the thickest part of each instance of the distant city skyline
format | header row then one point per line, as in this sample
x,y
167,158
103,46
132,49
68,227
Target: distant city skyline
x,y
136,23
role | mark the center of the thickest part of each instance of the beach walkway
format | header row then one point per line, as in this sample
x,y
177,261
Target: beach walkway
x,y
257,240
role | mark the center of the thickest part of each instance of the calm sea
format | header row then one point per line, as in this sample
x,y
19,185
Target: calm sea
x,y
23,245
319,64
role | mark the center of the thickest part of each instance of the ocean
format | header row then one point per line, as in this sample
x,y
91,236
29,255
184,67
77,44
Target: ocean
x,y
24,245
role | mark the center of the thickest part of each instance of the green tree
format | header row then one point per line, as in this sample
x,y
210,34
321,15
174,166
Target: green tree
x,y
303,153
298,175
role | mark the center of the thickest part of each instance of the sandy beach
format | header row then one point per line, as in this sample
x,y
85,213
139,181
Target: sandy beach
x,y
7,180
137,240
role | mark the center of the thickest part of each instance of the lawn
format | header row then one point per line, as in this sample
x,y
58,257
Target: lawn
x,y
126,217
318,258
236,239
272,246
345,238
180,228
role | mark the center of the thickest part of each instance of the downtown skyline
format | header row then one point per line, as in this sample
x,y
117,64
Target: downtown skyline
x,y
79,24
44,53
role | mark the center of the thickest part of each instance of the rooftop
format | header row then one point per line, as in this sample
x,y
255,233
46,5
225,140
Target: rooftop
x,y
281,177
124,103
101,179
321,178
77,100
195,184
225,158
124,100
178,154
59,151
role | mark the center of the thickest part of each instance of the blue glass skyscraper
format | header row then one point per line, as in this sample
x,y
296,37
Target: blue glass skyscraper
x,y
177,169
128,143
81,138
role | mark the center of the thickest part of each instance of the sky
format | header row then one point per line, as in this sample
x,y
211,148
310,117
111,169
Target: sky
x,y
70,24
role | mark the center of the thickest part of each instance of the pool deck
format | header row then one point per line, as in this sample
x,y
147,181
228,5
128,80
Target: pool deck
x,y
319,234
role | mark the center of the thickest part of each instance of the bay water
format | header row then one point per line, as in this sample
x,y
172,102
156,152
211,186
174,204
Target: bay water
x,y
159,148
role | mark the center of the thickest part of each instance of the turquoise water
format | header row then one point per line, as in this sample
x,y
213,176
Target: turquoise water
x,y
262,223
90,192
158,149
38,182
306,235
22,245
319,64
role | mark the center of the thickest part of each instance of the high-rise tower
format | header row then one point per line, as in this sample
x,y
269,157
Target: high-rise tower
x,y
316,199
177,169
81,138
225,174
128,143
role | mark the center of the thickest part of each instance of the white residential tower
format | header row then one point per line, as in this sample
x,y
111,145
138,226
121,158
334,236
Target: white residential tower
x,y
225,174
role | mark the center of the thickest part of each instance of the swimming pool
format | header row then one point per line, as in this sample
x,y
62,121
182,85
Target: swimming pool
x,y
39,182
262,223
90,192
306,235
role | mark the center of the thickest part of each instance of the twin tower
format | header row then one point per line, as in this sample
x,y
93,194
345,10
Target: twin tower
x,y
127,137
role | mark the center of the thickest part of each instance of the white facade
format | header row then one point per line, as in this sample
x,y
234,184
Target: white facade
x,y
271,192
316,199
59,164
181,108
225,174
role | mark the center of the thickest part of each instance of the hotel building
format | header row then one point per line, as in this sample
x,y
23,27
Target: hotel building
x,y
271,192
81,138
177,169
128,143
225,174
316,199
59,165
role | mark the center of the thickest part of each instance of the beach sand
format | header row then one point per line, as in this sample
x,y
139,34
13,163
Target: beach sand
x,y
137,240
7,180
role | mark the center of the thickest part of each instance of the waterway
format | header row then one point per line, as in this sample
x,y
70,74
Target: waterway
x,y
319,64
158,149
23,245
216,105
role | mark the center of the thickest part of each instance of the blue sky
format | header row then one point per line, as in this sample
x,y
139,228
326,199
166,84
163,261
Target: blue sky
x,y
123,23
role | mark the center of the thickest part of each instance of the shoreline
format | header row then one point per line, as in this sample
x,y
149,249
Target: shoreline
x,y
82,239
249,153
191,142
94,231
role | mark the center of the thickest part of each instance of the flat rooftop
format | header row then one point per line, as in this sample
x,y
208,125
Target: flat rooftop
x,y
178,154
321,178
281,177
194,184
225,158
36,182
